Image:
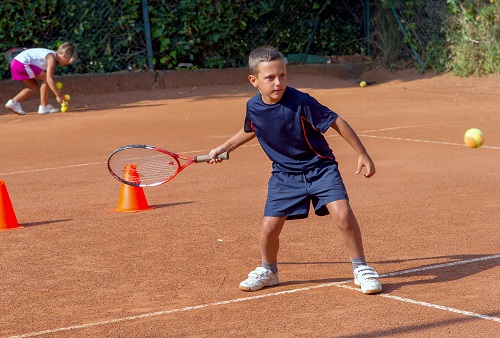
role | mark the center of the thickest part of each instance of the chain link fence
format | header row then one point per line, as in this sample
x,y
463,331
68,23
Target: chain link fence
x,y
114,35
109,36
423,31
126,35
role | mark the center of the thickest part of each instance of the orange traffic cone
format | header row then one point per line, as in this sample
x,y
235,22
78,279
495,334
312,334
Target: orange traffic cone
x,y
8,218
131,199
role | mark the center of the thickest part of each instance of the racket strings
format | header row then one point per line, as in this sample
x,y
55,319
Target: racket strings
x,y
143,166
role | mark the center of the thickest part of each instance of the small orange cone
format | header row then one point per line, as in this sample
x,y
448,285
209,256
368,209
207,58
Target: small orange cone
x,y
8,218
132,199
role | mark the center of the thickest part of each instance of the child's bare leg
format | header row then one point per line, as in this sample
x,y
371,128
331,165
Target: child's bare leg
x,y
31,88
267,274
44,89
344,218
364,276
269,238
44,94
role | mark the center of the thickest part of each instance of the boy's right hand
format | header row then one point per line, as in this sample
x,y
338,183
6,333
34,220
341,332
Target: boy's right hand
x,y
213,154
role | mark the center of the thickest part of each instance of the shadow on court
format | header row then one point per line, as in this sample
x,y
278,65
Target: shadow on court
x,y
33,224
436,273
423,328
429,273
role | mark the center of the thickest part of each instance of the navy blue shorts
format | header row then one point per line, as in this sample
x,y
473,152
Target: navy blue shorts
x,y
291,194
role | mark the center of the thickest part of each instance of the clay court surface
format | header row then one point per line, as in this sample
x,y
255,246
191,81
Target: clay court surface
x,y
430,218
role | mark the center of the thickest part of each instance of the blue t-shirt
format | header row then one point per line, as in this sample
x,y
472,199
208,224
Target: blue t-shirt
x,y
291,131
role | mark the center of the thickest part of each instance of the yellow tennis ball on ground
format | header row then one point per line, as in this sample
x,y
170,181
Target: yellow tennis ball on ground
x,y
67,97
59,85
64,109
474,138
362,84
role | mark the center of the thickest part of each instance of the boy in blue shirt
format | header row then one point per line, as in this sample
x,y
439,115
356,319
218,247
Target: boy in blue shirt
x,y
289,125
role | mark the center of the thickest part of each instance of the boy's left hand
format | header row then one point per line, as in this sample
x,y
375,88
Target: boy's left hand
x,y
364,160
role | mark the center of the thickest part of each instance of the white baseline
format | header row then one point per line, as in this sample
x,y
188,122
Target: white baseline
x,y
337,284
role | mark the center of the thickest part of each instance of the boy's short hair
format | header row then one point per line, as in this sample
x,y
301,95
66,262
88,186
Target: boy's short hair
x,y
262,54
69,49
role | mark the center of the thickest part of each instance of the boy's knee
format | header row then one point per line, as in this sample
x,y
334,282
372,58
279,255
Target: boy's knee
x,y
268,230
271,228
343,221
344,218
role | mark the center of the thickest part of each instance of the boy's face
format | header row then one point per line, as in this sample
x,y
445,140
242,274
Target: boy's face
x,y
270,81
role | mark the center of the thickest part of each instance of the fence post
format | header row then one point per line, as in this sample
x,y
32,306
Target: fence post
x,y
147,33
366,12
421,64
315,27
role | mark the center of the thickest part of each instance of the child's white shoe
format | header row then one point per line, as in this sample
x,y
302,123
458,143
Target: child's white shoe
x,y
258,279
47,109
14,107
367,278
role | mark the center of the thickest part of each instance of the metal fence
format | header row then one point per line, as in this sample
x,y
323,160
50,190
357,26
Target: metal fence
x,y
114,35
423,29
127,35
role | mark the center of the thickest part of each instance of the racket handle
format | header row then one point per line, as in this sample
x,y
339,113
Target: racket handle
x,y
206,158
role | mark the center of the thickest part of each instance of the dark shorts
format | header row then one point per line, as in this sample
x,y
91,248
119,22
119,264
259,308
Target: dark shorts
x,y
21,71
291,195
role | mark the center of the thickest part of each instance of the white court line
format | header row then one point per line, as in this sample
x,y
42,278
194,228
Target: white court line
x,y
360,134
435,306
102,163
423,141
396,128
337,284
54,168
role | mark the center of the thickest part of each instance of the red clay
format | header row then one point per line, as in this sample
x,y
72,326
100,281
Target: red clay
x,y
80,269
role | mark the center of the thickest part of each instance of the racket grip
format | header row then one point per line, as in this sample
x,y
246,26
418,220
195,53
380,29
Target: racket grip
x,y
206,158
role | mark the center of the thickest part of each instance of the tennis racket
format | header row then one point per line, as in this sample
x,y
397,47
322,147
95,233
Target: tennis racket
x,y
141,165
13,52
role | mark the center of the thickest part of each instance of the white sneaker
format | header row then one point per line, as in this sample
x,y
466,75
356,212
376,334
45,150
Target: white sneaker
x,y
367,278
14,107
47,109
258,279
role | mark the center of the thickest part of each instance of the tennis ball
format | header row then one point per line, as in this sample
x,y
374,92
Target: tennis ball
x,y
67,97
64,104
59,85
362,84
474,138
64,109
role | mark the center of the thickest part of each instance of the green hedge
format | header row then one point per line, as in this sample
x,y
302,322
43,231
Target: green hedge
x,y
461,36
474,36
464,37
206,33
